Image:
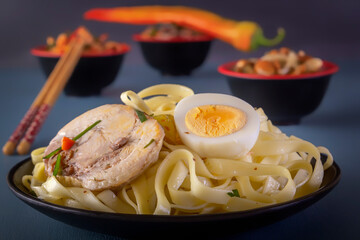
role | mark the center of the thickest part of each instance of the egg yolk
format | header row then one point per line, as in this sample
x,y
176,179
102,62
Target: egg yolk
x,y
214,120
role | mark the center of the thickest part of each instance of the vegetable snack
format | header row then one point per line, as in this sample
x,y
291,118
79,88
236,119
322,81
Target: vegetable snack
x,y
281,61
99,45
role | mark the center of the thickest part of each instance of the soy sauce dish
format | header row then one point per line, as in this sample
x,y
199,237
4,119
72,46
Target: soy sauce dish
x,y
285,98
173,50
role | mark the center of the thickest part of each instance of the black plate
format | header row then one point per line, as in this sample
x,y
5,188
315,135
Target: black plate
x,y
131,225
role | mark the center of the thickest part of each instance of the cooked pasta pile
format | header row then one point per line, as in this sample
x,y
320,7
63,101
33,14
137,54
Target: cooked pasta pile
x,y
278,168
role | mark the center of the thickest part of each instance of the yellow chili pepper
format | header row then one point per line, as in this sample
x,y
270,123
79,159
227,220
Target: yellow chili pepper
x,y
243,35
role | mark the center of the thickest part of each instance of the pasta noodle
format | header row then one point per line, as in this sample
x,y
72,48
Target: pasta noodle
x,y
278,168
163,100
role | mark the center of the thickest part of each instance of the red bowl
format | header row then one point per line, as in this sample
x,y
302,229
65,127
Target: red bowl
x,y
92,73
177,56
327,69
285,98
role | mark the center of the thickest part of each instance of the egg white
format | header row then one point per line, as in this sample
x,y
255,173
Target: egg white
x,y
231,146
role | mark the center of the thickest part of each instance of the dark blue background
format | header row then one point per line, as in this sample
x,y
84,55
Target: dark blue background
x,y
329,29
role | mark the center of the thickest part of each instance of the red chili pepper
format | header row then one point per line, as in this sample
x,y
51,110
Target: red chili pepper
x,y
243,35
66,143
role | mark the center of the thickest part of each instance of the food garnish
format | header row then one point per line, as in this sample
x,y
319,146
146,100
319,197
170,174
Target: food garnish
x,y
243,35
151,141
86,130
141,115
66,143
234,193
74,139
57,165
52,153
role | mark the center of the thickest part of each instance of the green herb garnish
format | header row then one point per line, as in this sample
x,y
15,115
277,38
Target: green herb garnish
x,y
57,165
151,141
86,130
75,138
234,193
52,153
141,115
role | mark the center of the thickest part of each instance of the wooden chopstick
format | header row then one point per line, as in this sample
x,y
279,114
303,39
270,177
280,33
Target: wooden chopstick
x,y
10,145
74,54
40,108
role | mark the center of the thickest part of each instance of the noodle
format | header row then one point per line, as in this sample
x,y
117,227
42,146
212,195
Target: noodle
x,y
277,169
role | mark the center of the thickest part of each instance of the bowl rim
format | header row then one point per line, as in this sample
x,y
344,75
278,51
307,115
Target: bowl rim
x,y
328,68
40,51
139,38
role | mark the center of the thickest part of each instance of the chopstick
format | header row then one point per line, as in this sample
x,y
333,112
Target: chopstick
x,y
46,98
51,97
10,145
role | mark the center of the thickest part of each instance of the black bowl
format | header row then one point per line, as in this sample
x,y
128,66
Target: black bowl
x,y
91,74
286,98
128,225
174,57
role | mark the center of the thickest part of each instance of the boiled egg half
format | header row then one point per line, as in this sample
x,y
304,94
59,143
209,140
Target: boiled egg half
x,y
217,125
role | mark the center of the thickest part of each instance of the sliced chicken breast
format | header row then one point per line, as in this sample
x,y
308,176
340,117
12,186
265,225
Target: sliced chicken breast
x,y
111,154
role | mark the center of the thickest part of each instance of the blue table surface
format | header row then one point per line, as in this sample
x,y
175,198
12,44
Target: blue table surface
x,y
335,124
